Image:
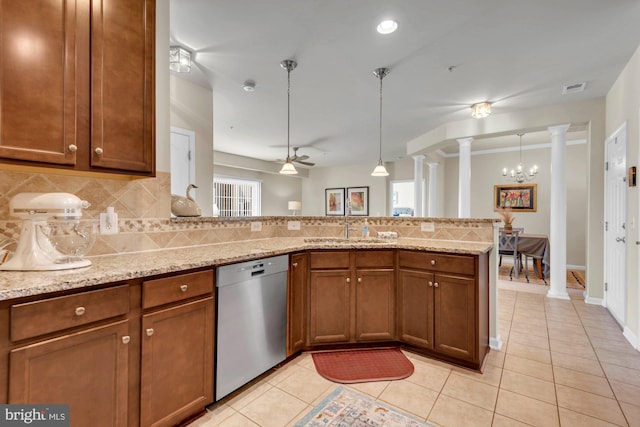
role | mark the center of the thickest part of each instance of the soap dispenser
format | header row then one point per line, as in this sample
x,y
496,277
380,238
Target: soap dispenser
x,y
365,229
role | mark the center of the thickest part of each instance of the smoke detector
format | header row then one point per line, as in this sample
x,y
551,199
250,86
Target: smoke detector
x,y
249,86
573,88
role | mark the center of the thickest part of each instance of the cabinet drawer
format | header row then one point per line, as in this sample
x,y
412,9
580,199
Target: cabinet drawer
x,y
329,260
55,314
176,288
374,259
438,262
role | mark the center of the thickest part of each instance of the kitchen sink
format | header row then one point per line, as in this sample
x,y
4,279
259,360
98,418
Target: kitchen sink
x,y
342,240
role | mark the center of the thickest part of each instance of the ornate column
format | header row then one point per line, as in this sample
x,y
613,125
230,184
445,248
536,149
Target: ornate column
x,y
418,186
558,219
432,189
464,178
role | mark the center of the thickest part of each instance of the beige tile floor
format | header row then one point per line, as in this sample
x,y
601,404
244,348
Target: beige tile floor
x,y
563,363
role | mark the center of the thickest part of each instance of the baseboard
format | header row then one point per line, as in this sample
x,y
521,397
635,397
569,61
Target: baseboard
x,y
631,337
594,301
495,343
576,267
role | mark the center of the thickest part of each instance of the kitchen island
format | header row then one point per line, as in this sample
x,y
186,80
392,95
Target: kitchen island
x,y
137,329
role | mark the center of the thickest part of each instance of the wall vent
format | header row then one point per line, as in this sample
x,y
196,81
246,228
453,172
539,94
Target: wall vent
x,y
573,88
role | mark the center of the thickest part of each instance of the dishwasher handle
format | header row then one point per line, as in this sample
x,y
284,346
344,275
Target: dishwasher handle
x,y
257,273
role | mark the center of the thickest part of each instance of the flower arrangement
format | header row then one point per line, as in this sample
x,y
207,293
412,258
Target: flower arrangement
x,y
506,214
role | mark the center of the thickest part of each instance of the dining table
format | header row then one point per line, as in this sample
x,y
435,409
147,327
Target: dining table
x,y
537,247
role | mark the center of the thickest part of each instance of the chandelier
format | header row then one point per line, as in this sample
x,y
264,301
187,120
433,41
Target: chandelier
x,y
519,174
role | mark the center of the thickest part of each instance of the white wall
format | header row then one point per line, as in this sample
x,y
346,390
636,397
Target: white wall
x,y
192,109
623,104
486,171
313,199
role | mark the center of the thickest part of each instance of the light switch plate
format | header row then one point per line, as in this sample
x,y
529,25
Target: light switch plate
x,y
293,225
427,227
256,226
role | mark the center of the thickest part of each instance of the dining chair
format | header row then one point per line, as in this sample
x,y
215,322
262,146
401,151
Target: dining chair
x,y
500,230
508,245
526,266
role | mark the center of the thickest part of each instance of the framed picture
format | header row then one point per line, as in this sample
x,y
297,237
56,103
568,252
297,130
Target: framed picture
x,y
518,197
334,201
359,199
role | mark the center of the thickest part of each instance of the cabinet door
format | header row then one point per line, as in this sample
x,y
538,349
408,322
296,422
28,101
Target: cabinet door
x,y
455,316
329,314
177,363
87,370
123,85
296,299
415,295
375,302
38,85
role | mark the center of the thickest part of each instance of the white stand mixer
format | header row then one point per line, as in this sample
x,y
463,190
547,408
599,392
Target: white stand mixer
x,y
35,252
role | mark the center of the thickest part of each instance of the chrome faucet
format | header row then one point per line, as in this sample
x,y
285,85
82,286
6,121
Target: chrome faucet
x,y
347,213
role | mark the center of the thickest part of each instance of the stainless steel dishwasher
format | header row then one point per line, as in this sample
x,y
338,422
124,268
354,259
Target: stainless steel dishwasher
x,y
252,321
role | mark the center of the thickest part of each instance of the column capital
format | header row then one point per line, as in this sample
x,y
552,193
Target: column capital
x,y
559,129
418,157
432,164
465,142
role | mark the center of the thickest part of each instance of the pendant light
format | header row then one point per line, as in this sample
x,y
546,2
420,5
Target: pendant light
x,y
380,170
289,65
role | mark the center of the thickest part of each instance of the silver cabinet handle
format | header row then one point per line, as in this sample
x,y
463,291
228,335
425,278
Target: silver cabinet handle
x,y
620,239
73,148
184,288
98,151
433,262
435,285
149,332
295,264
80,311
348,280
430,283
126,339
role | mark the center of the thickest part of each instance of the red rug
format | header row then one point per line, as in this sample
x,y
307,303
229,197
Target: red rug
x,y
360,366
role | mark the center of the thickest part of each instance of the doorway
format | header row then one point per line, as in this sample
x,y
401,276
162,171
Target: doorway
x,y
615,217
403,198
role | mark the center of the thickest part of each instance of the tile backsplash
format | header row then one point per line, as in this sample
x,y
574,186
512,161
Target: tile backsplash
x,y
144,206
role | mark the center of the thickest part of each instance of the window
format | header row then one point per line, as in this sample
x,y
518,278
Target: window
x,y
236,196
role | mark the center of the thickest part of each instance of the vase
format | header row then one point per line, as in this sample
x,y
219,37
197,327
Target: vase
x,y
508,227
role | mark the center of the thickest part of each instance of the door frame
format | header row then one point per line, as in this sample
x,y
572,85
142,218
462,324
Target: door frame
x,y
620,131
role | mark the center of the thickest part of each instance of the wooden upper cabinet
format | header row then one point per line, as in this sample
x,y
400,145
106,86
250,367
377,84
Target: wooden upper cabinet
x,y
39,87
77,84
123,85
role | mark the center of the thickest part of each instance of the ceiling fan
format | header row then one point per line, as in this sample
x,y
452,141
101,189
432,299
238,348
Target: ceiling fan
x,y
299,159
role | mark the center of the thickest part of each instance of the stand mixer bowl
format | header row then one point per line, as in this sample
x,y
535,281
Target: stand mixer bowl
x,y
71,239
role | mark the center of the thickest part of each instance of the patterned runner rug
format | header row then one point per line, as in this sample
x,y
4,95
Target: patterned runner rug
x,y
356,366
346,408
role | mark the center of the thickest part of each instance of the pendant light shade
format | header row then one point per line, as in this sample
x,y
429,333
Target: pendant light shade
x,y
380,170
289,65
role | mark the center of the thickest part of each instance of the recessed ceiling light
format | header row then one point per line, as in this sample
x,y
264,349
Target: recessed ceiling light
x,y
387,27
249,86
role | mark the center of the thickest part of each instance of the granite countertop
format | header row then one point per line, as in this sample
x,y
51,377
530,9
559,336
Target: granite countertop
x,y
116,268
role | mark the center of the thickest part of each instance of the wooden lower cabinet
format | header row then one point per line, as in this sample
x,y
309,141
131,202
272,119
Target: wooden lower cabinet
x,y
455,315
87,370
296,304
415,308
375,305
177,363
330,306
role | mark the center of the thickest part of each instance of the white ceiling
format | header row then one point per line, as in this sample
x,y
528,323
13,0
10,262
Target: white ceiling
x,y
517,54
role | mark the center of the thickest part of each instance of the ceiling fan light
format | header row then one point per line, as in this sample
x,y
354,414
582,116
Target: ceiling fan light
x,y
288,168
380,170
480,110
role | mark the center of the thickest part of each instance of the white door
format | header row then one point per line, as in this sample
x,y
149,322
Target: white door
x,y
183,170
615,236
